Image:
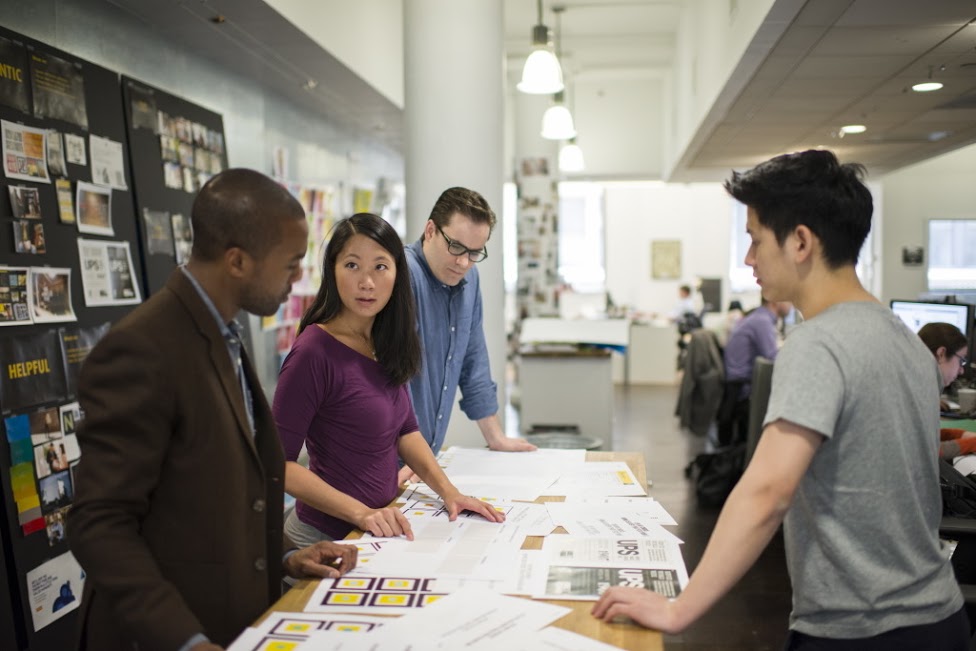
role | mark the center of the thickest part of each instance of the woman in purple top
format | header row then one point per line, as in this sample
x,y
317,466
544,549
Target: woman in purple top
x,y
343,392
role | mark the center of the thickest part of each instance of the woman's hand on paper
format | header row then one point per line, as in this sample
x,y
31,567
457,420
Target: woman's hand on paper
x,y
457,503
649,609
387,522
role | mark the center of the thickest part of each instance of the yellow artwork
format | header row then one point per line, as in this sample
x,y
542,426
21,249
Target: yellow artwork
x,y
393,600
666,259
346,599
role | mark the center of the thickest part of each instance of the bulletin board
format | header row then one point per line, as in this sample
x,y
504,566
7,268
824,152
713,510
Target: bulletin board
x,y
69,267
176,146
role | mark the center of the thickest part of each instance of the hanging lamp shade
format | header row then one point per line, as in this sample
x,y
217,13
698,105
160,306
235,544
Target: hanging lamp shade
x,y
542,74
571,157
557,123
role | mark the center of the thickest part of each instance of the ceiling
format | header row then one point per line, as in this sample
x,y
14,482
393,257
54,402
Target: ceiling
x,y
837,62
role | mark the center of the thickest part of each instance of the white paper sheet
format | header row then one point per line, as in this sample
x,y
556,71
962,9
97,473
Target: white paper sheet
x,y
584,520
54,589
597,478
473,618
280,630
553,638
373,595
582,568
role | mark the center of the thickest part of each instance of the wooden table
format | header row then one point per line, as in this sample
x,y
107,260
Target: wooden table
x,y
626,636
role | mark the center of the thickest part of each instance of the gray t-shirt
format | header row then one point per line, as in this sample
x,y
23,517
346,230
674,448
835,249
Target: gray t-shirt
x,y
861,535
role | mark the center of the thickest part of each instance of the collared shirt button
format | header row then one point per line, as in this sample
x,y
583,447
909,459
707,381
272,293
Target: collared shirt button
x,y
260,565
258,505
445,388
452,328
439,416
450,357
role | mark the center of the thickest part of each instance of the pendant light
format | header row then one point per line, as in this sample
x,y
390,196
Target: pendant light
x,y
557,121
571,157
541,74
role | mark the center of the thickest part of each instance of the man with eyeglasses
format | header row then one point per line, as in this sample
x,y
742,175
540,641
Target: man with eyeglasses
x,y
447,291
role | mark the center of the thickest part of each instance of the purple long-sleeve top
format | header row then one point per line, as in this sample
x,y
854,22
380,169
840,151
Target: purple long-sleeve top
x,y
343,407
752,337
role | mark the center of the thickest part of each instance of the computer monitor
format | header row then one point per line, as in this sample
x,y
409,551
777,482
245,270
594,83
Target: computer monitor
x,y
915,314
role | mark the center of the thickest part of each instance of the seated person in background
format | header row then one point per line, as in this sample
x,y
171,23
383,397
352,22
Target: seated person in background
x,y
950,348
755,335
685,304
343,392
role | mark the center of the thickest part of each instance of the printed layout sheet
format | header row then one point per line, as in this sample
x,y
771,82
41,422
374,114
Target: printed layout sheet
x,y
641,517
285,631
582,568
597,479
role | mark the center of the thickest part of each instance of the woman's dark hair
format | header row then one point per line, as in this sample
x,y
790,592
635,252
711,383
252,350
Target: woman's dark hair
x,y
395,327
939,335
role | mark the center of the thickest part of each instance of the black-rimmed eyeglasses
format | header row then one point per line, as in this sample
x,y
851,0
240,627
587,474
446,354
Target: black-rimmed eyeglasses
x,y
962,360
457,249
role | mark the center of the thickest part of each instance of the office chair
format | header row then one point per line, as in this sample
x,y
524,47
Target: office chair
x,y
762,382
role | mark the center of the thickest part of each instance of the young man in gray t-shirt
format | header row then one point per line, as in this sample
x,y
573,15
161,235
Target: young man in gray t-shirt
x,y
848,456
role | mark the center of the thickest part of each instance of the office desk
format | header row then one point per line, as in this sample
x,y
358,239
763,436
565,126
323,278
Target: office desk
x,y
626,636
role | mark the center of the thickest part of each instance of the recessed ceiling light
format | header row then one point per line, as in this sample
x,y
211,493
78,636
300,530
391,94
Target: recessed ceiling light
x,y
853,128
926,86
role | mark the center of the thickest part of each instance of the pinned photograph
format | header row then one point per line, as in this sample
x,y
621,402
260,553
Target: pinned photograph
x,y
66,204
55,154
59,89
49,458
56,491
54,524
25,202
172,176
28,237
182,238
107,162
45,425
143,107
13,296
24,153
94,204
75,150
159,232
107,276
50,295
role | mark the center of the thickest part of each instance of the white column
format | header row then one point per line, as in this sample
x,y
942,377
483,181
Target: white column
x,y
453,113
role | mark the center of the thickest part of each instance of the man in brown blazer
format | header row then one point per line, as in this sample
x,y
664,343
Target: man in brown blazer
x,y
177,518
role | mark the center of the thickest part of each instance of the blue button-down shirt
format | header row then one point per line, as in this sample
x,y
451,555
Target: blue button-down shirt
x,y
232,333
450,325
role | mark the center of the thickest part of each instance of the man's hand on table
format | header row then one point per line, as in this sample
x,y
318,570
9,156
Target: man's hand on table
x,y
506,444
649,609
326,560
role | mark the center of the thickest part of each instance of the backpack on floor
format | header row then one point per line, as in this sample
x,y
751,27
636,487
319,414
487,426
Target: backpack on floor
x,y
716,473
958,492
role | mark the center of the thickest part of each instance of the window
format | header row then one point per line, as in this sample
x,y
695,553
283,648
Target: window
x,y
952,254
581,237
740,274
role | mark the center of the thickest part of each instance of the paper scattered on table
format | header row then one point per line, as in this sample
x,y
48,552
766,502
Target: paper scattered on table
x,y
553,638
582,568
281,631
474,618
597,478
602,521
374,595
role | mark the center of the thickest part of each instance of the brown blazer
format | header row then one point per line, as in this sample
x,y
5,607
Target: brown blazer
x,y
177,518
